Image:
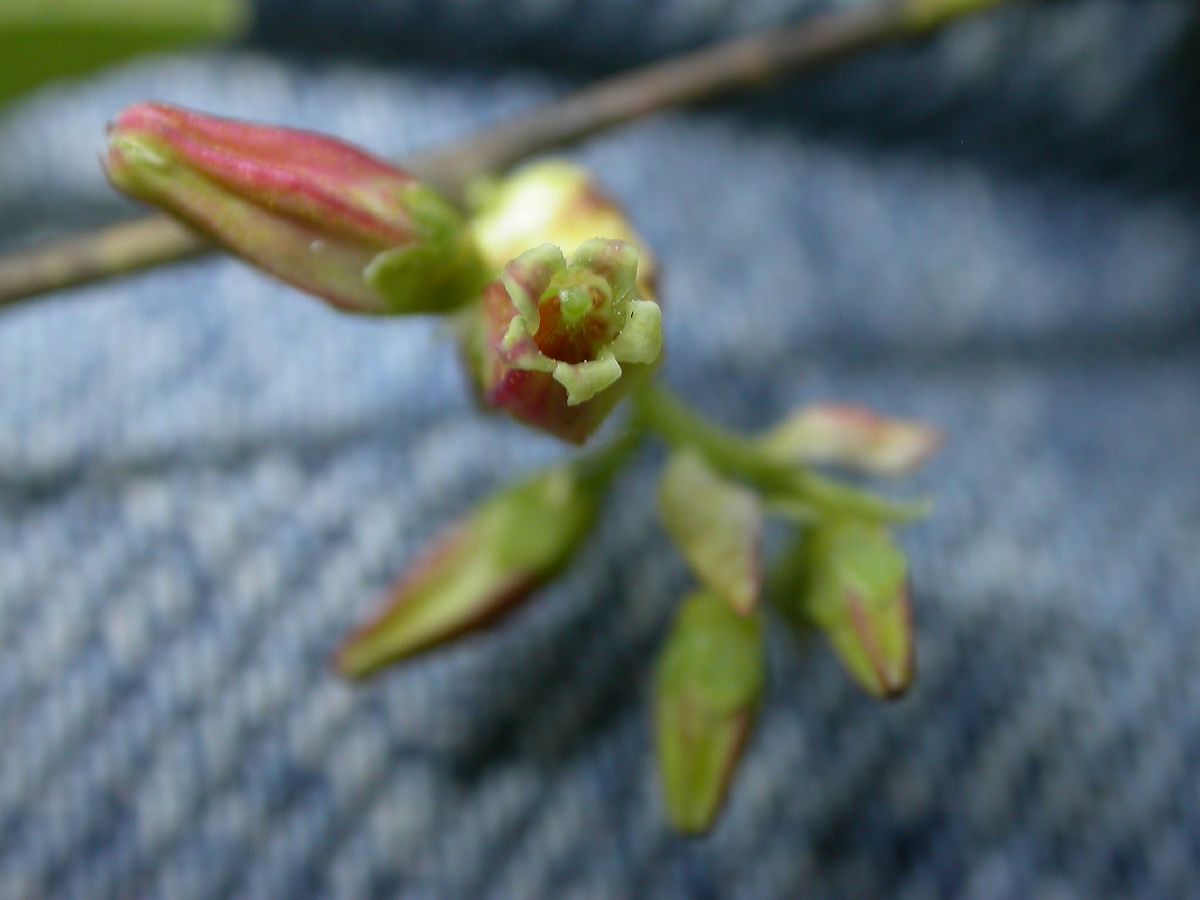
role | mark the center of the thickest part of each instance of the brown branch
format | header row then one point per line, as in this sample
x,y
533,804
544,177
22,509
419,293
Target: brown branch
x,y
694,77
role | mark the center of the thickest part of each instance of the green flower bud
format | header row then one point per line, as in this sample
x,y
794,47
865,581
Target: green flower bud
x,y
515,542
709,688
850,580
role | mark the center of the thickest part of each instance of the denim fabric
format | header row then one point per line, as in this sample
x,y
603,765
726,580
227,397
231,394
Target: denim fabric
x,y
206,479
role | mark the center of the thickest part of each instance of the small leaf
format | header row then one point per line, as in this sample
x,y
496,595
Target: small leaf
x,y
718,526
854,438
709,688
439,273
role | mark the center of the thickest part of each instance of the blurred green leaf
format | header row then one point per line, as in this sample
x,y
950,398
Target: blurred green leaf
x,y
45,39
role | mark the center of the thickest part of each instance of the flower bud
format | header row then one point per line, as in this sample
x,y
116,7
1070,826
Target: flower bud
x,y
849,579
709,688
718,525
854,438
551,202
512,544
557,345
313,211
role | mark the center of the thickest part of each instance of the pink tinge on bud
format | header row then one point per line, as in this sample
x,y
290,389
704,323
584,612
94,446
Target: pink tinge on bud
x,y
296,173
312,210
532,396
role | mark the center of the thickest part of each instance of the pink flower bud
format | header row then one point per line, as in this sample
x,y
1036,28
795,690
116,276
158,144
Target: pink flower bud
x,y
313,211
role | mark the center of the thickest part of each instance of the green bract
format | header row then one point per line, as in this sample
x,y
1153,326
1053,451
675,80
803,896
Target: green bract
x,y
437,273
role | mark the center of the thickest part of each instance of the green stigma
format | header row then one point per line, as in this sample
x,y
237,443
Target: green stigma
x,y
574,303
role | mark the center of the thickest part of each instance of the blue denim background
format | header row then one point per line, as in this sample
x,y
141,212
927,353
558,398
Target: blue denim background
x,y
205,480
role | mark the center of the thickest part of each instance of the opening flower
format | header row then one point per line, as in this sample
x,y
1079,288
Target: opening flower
x,y
561,342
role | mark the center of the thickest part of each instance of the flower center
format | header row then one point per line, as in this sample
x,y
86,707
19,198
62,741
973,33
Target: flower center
x,y
577,317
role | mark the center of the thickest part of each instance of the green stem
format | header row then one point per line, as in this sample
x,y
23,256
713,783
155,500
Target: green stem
x,y
664,413
736,456
830,495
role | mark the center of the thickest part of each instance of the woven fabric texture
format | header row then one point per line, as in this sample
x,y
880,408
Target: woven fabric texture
x,y
205,479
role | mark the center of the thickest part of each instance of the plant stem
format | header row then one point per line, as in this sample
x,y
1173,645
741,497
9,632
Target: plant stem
x,y
787,485
690,78
662,412
105,253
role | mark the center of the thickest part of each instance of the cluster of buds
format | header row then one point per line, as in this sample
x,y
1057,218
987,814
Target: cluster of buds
x,y
556,344
552,294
